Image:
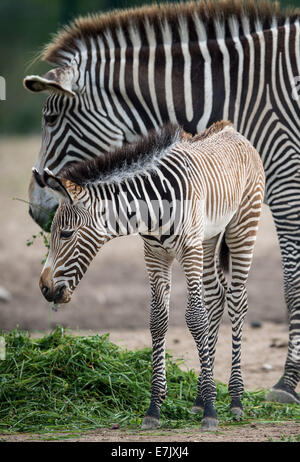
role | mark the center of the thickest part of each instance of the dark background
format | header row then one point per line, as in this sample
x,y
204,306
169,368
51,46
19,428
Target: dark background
x,y
25,27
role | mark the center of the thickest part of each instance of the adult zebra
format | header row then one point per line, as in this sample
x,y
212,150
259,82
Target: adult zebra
x,y
123,73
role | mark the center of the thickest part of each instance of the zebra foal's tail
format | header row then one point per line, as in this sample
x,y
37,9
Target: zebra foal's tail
x,y
224,255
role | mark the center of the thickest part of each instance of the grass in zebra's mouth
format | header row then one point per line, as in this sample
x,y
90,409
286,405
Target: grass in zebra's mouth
x,y
45,237
47,225
61,382
55,307
44,234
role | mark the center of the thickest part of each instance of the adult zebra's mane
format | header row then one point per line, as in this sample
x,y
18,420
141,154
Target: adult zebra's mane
x,y
127,161
211,12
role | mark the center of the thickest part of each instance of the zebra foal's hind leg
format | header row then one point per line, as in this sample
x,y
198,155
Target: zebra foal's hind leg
x,y
214,283
240,237
158,265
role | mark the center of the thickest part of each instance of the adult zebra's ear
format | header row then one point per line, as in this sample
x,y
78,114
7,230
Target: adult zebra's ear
x,y
60,79
63,188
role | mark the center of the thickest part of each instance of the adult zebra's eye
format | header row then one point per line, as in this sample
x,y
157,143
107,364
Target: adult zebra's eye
x,y
50,119
66,233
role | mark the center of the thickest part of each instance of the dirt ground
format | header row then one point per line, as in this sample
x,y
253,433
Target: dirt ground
x,y
114,296
258,432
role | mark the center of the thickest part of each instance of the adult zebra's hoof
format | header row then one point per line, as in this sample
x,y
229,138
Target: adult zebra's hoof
x,y
209,424
283,396
150,423
237,413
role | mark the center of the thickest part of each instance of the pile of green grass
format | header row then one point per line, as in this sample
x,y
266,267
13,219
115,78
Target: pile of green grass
x,y
62,382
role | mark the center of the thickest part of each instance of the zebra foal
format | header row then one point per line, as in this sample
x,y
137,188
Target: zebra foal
x,y
180,193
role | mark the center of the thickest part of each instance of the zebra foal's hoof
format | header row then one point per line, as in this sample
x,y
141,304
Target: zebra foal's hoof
x,y
283,396
150,423
198,405
209,424
237,413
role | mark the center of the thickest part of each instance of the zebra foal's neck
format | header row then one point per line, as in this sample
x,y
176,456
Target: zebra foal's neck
x,y
134,187
146,187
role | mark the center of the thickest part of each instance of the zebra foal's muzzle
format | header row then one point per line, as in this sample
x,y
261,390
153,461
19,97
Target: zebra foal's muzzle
x,y
57,293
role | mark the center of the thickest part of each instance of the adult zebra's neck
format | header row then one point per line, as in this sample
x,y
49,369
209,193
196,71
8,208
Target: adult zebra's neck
x,y
189,71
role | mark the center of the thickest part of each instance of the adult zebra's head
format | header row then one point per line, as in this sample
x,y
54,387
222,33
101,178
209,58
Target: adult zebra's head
x,y
76,236
75,127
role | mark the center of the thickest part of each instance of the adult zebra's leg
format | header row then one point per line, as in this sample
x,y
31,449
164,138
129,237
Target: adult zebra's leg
x,y
158,264
289,240
214,283
197,322
240,236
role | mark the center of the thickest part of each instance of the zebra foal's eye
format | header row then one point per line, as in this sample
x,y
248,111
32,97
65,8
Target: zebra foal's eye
x,y
65,233
50,119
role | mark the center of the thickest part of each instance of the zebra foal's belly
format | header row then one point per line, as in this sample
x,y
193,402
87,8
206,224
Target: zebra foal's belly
x,y
216,226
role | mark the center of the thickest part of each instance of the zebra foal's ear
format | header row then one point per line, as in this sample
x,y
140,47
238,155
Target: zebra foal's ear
x,y
58,80
63,188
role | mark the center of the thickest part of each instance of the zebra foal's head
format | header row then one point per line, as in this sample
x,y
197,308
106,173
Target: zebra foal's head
x,y
76,236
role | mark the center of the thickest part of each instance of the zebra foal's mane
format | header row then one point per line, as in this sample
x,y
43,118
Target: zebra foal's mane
x,y
212,130
210,12
136,158
124,162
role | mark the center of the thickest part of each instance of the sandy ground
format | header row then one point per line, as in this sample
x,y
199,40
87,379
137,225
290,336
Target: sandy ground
x,y
114,296
257,432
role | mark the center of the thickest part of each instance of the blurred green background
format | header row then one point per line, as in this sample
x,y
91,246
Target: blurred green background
x,y
25,26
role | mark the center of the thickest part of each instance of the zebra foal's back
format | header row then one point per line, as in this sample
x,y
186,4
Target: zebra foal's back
x,y
222,165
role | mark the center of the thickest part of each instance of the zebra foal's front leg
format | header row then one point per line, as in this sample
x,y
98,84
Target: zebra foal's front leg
x,y
159,270
215,287
197,322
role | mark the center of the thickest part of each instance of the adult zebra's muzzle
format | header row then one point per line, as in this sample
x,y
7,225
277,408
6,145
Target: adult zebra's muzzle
x,y
42,204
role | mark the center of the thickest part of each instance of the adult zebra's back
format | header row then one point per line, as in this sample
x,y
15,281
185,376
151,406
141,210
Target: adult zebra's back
x,y
123,73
